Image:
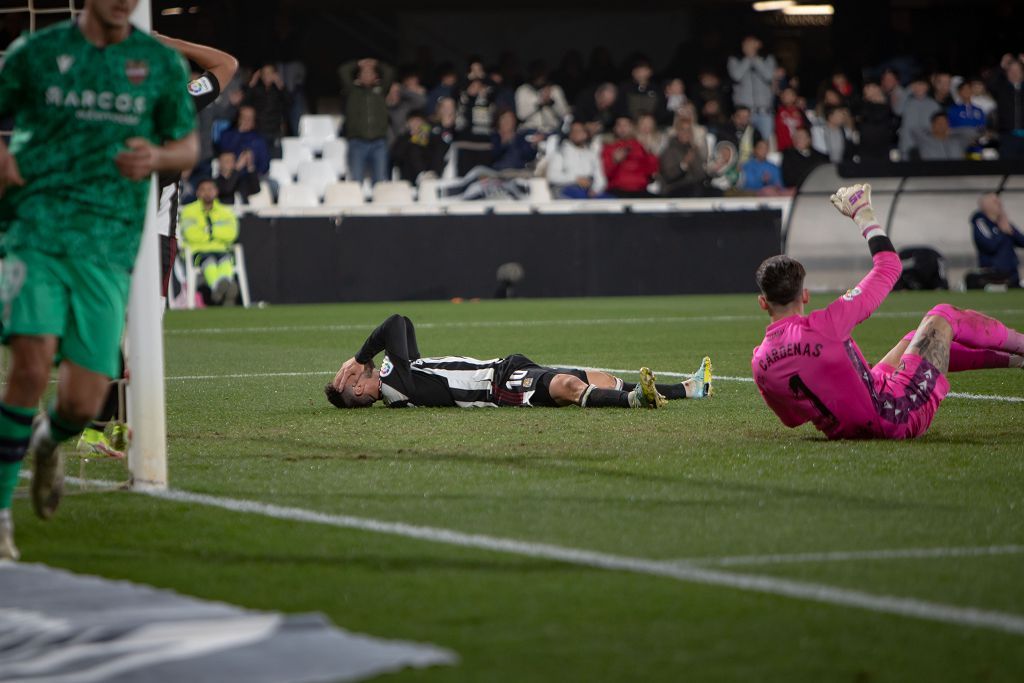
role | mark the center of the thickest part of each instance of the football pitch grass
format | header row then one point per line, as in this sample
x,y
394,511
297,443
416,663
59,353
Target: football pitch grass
x,y
717,544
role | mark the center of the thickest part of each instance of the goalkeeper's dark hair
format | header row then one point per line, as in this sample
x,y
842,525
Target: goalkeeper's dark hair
x,y
346,398
781,279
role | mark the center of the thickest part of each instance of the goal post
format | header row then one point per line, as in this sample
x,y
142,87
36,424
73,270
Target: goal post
x,y
147,450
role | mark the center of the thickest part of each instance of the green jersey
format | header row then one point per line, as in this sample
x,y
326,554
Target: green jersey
x,y
75,105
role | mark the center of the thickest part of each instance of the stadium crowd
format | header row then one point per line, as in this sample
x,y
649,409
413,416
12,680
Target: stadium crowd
x,y
749,127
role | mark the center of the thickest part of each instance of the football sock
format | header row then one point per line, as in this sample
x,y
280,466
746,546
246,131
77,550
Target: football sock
x,y
604,398
669,391
59,429
15,430
979,331
110,408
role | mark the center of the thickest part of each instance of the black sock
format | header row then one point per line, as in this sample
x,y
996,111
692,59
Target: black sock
x,y
669,391
604,398
110,407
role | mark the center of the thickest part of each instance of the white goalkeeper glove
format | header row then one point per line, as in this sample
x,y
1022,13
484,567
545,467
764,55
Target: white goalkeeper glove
x,y
855,201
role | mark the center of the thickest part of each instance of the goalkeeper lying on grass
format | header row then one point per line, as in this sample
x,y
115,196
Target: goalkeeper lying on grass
x,y
407,379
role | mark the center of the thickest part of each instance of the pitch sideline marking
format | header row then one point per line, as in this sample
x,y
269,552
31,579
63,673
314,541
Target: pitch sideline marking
x,y
852,555
822,593
569,322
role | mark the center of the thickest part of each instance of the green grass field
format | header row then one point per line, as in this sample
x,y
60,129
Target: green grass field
x,y
698,481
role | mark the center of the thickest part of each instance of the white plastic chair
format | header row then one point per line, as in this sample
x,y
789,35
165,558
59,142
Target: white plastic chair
x,y
280,172
315,130
393,193
336,153
192,276
298,197
294,152
344,194
317,175
263,198
428,191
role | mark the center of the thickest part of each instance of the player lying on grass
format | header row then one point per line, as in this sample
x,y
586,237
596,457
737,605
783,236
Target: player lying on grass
x,y
809,369
407,379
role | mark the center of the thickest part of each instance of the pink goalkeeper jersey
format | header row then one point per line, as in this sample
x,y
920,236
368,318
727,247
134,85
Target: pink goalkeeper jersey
x,y
808,369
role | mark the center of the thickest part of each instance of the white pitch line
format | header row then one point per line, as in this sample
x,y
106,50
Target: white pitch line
x,y
563,322
821,593
854,555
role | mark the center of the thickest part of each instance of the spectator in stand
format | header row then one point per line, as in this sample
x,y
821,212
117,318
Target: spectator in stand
x,y
475,126
759,174
511,149
418,151
243,137
941,143
266,95
877,125
682,167
710,89
996,239
981,98
575,170
541,105
640,96
942,89
966,114
236,176
365,84
918,109
627,165
447,79
674,98
788,119
700,133
752,76
741,132
894,92
827,101
599,107
713,118
209,230
1009,95
835,138
799,160
405,96
443,123
840,82
504,97
649,135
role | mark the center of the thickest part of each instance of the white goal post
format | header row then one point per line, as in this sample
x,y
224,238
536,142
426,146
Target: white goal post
x,y
147,451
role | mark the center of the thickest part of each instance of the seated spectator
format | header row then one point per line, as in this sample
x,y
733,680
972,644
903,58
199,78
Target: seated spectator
x,y
209,229
649,135
243,137
788,118
639,94
628,167
741,133
996,239
942,143
541,105
841,84
447,79
599,107
893,90
365,84
827,101
835,138
575,170
682,167
981,98
878,125
759,174
710,89
966,114
700,133
942,89
266,95
511,149
236,176
443,126
713,118
673,99
418,150
405,96
916,115
799,160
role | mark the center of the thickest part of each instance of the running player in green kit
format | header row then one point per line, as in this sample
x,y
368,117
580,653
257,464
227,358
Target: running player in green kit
x,y
98,108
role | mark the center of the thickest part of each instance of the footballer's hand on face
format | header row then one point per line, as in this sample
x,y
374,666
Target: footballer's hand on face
x,y
350,370
138,160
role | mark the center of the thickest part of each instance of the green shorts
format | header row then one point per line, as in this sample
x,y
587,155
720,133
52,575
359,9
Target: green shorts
x,y
80,302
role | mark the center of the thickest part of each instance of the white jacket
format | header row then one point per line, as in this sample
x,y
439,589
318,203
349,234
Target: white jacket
x,y
570,162
547,119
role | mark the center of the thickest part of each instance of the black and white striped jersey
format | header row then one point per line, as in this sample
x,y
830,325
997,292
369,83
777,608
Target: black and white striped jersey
x,y
444,381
